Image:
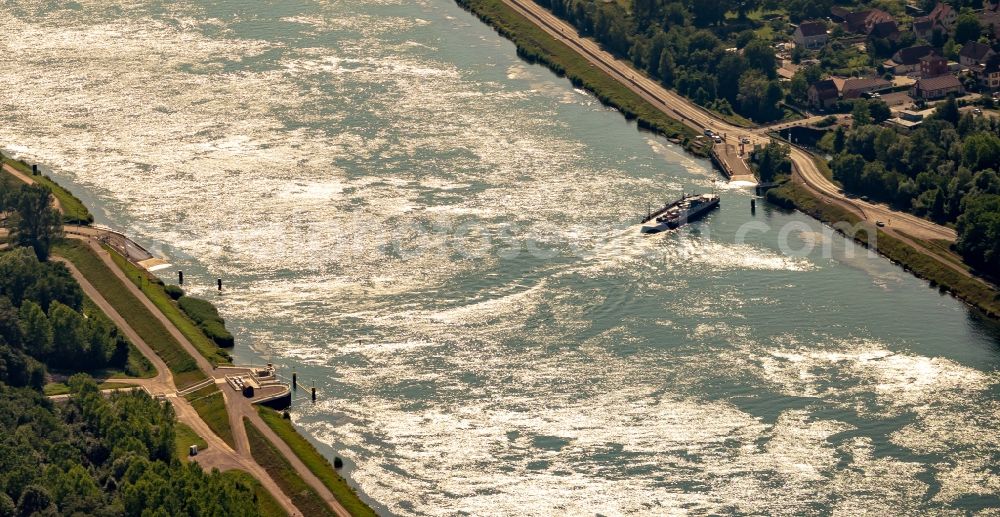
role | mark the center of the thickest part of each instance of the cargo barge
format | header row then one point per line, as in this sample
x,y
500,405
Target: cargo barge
x,y
674,215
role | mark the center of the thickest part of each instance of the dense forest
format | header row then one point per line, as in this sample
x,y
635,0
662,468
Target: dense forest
x,y
717,55
27,212
946,170
103,455
684,45
43,320
94,454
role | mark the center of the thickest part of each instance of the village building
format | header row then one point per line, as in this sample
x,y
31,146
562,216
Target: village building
x,y
907,60
885,30
989,19
937,87
907,120
823,94
854,88
933,65
989,76
941,19
975,54
944,15
923,28
860,22
811,35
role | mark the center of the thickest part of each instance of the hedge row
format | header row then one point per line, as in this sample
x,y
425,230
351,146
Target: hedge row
x,y
207,317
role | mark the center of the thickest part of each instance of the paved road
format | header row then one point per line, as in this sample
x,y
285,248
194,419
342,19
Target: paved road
x,y
237,406
219,454
698,118
28,179
667,101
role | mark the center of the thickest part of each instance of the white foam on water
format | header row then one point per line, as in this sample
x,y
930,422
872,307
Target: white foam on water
x,y
319,177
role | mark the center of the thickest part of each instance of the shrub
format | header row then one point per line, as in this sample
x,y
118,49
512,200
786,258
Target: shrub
x,y
174,291
827,122
207,317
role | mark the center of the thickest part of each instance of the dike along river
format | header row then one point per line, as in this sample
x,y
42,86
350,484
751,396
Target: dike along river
x,y
438,235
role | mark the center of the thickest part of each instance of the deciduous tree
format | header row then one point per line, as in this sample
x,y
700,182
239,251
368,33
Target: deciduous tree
x,y
38,223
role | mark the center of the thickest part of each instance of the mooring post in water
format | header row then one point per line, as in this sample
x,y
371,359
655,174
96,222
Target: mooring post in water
x,y
180,278
295,381
34,169
219,282
753,205
314,391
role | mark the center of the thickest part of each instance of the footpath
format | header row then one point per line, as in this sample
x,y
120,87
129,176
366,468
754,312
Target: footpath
x,y
219,454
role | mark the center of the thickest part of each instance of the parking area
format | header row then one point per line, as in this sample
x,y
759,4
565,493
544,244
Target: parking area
x,y
899,100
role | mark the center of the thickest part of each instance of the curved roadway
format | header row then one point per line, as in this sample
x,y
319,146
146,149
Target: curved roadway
x,y
678,107
219,454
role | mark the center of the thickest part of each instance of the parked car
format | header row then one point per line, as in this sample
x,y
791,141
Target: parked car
x,y
880,224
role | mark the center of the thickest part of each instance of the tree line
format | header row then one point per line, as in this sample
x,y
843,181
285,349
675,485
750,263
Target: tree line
x,y
43,321
103,455
26,210
689,46
945,170
94,455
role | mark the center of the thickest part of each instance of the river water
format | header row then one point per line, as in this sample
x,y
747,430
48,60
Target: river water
x,y
441,237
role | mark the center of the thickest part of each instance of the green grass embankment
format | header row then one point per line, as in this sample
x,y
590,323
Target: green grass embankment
x,y
211,407
206,316
74,211
60,388
185,437
154,289
825,169
316,462
204,339
930,267
267,505
536,46
150,329
137,366
302,494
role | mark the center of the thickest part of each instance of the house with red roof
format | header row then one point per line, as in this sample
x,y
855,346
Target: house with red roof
x,y
941,19
937,87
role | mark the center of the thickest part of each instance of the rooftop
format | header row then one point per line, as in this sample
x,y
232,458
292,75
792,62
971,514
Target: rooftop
x,y
865,83
912,55
939,83
975,51
812,28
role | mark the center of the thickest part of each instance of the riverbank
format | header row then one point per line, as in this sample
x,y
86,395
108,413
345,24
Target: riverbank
x,y
73,210
927,260
122,284
536,46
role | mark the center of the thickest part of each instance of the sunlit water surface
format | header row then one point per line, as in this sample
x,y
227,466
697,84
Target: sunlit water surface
x,y
437,234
